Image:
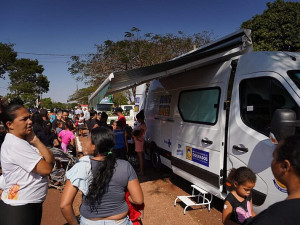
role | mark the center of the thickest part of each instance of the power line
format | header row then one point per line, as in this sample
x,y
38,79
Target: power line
x,y
52,54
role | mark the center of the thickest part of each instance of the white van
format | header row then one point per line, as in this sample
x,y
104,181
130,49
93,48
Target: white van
x,y
127,107
203,122
211,109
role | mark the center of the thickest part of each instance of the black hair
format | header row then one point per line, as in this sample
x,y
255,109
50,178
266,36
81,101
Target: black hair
x,y
119,109
128,130
79,154
44,113
241,175
8,113
290,150
119,124
69,125
140,115
37,118
92,113
104,115
104,140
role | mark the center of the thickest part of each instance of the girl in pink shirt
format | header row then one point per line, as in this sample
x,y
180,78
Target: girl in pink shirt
x,y
66,137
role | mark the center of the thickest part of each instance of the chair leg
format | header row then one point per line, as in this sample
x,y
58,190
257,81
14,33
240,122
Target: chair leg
x,y
175,202
185,209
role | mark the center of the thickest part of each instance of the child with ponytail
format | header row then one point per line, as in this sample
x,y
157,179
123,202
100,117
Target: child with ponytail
x,y
238,206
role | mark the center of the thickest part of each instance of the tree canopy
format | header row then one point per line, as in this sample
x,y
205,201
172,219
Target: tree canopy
x,y
120,99
277,28
27,80
134,51
81,95
7,58
47,103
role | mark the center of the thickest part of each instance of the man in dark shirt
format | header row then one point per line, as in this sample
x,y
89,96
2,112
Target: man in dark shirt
x,y
103,121
58,118
92,121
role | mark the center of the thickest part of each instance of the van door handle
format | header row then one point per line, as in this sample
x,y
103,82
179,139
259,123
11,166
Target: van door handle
x,y
242,149
207,141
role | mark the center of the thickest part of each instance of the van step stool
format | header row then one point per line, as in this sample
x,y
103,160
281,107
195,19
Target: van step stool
x,y
188,202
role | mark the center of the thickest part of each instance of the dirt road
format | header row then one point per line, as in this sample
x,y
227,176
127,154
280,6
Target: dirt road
x,y
160,190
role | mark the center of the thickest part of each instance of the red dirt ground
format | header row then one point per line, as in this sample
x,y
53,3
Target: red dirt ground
x,y
160,190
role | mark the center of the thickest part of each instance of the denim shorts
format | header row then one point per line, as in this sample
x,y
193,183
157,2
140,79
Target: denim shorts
x,y
85,221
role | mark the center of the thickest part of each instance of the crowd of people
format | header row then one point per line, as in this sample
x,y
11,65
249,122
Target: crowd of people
x,y
103,171
108,182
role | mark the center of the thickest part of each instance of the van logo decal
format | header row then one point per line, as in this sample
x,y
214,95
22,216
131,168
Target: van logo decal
x,y
168,142
279,186
179,152
197,155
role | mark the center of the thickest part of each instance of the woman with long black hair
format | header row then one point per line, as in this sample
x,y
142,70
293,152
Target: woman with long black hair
x,y
103,180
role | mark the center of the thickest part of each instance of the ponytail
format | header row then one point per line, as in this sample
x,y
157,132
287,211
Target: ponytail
x,y
104,140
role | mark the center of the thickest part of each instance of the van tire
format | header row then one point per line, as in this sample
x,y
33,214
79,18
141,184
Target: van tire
x,y
155,160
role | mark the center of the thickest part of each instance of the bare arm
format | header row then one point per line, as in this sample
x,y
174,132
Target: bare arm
x,y
45,165
135,191
72,143
227,214
66,203
253,213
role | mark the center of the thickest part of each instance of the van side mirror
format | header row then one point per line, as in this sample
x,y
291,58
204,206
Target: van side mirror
x,y
283,123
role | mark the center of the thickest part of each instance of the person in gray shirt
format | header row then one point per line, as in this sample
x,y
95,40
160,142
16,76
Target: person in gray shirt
x,y
103,181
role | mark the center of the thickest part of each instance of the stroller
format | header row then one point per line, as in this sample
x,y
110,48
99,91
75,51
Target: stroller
x,y
63,162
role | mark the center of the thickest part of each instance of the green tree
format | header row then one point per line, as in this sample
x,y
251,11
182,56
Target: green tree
x,y
7,58
27,80
46,103
81,95
134,51
277,28
59,105
120,99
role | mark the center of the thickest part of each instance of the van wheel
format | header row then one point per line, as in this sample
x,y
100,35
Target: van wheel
x,y
155,159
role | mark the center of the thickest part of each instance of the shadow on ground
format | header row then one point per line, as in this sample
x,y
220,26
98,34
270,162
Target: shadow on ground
x,y
151,174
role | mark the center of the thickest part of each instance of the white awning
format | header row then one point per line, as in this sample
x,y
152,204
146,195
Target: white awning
x,y
232,45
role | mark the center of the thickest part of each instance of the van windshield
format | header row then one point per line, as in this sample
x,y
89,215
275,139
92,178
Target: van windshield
x,y
295,76
104,107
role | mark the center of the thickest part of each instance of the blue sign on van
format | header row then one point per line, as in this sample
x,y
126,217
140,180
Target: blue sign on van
x,y
198,156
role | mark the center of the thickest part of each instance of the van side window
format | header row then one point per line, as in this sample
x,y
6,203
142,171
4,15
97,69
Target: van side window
x,y
259,98
199,106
